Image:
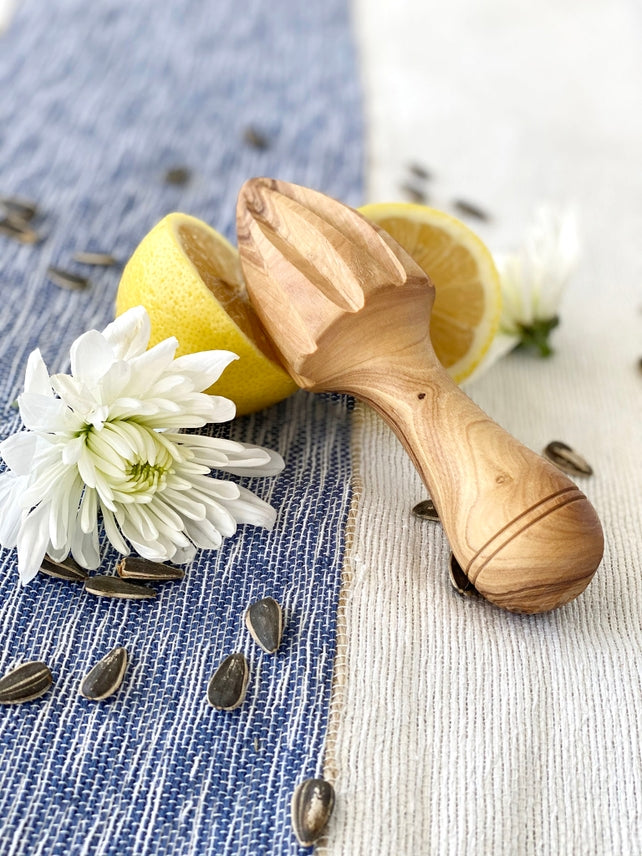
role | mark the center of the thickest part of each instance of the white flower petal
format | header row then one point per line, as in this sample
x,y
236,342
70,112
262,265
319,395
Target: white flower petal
x,y
195,440
164,546
217,488
138,517
154,552
184,505
164,549
18,451
105,492
186,470
200,410
56,524
255,464
41,413
58,555
86,467
36,375
47,481
171,384
113,532
113,469
142,440
74,393
88,511
185,554
11,487
222,518
129,408
148,367
114,382
91,357
217,408
72,451
166,515
129,334
204,534
68,504
85,548
120,443
178,453
250,509
203,368
32,542
215,452
533,279
209,458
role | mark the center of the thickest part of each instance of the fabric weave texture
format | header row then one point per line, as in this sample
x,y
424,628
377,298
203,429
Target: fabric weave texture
x,y
460,728
98,101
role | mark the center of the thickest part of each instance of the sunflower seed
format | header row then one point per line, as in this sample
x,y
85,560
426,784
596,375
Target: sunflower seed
x,y
567,460
106,676
426,510
178,175
68,569
19,230
255,138
414,193
459,580
67,279
419,171
104,586
16,221
133,568
84,257
25,682
226,689
264,620
469,209
312,804
23,209
257,744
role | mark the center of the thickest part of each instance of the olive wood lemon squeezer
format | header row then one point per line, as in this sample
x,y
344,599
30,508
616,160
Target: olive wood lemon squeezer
x,y
349,311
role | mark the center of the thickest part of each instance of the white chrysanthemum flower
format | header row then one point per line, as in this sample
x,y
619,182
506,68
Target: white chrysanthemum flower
x,y
105,440
533,280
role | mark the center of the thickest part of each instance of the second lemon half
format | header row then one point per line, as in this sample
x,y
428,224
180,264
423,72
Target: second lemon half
x,y
467,307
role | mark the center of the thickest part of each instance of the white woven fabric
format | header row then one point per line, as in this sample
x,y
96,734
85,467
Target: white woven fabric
x,y
458,728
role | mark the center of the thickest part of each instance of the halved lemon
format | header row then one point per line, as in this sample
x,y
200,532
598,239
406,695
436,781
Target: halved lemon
x,y
467,306
188,278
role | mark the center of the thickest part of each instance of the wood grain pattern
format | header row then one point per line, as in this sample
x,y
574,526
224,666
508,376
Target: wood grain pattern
x,y
349,311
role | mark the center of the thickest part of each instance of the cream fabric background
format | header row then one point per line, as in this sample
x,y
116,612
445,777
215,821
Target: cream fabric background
x,y
458,728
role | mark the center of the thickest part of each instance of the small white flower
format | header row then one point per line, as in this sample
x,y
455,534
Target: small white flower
x,y
533,280
105,440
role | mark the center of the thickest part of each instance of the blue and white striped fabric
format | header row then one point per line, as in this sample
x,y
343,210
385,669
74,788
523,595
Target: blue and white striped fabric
x,y
98,100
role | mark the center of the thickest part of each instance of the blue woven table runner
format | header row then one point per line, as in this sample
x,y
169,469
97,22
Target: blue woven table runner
x,y
98,101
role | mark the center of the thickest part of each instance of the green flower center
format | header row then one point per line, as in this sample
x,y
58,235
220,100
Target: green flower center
x,y
146,476
130,457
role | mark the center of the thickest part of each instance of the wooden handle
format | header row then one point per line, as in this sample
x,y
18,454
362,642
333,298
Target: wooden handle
x,y
527,538
349,310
